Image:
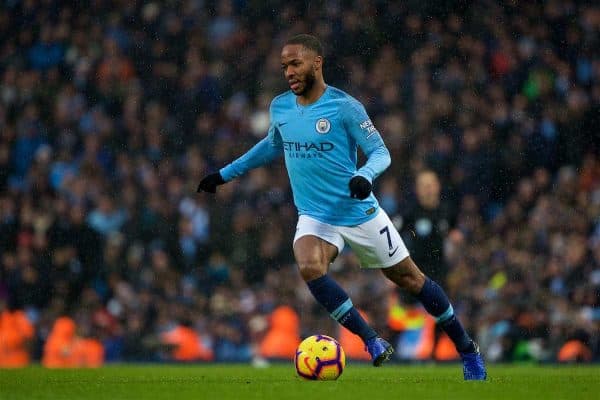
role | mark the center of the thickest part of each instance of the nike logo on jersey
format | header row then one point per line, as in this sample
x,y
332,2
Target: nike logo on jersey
x,y
391,253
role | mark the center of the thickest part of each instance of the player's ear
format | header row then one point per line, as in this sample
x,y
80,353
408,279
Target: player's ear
x,y
318,62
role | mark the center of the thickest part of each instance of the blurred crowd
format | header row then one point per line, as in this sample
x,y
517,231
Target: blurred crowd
x,y
112,111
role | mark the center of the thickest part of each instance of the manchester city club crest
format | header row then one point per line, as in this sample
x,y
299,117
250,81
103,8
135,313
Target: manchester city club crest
x,y
323,125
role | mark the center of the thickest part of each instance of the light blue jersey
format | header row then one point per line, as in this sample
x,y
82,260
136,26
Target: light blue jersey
x,y
320,144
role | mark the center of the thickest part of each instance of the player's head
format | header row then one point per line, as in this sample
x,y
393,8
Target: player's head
x,y
428,189
302,63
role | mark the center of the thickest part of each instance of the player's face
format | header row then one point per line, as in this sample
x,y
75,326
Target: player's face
x,y
299,66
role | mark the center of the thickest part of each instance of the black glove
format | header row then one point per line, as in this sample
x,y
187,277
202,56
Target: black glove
x,y
360,187
210,182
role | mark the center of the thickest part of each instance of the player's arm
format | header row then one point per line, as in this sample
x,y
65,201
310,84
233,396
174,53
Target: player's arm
x,y
360,127
260,154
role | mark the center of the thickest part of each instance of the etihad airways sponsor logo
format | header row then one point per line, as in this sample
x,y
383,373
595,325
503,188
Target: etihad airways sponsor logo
x,y
307,149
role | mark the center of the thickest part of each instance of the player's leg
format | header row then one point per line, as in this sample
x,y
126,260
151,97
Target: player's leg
x,y
408,276
313,256
378,245
314,251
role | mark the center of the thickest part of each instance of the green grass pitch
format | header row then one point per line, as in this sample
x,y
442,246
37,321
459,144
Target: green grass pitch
x,y
182,382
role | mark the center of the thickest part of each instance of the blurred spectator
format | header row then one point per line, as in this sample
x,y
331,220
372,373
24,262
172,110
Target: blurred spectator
x,y
283,335
425,226
16,334
64,348
186,344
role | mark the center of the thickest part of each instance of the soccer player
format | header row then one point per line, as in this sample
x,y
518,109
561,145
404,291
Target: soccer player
x,y
318,128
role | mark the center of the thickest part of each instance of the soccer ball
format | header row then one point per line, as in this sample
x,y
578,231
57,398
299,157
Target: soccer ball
x,y
320,357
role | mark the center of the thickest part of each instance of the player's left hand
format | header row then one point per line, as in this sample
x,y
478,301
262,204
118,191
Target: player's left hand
x,y
360,187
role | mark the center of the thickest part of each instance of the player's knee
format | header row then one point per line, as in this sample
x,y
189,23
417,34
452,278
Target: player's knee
x,y
410,283
410,280
311,269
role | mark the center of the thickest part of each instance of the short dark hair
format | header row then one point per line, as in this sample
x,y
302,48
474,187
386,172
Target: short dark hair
x,y
308,41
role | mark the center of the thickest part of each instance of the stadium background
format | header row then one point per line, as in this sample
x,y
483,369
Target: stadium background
x,y
110,113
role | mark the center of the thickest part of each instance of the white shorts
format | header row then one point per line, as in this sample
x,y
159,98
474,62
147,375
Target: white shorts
x,y
376,243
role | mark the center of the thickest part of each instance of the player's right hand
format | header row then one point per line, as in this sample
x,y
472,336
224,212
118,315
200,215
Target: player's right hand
x,y
210,182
